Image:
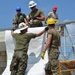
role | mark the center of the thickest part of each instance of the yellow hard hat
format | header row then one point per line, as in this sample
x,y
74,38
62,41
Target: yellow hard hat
x,y
50,21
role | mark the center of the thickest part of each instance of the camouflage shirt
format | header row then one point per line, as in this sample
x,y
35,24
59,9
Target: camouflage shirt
x,y
35,22
18,19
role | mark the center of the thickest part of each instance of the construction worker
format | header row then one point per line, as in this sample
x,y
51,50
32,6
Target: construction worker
x,y
54,15
52,45
19,17
20,58
36,16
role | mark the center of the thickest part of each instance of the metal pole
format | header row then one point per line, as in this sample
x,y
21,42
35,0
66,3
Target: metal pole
x,y
64,42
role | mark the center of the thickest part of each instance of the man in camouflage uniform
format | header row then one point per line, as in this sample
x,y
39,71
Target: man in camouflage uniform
x,y
36,16
20,58
52,45
19,17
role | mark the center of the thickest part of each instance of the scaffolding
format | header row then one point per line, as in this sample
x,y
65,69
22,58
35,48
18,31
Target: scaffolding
x,y
67,64
67,34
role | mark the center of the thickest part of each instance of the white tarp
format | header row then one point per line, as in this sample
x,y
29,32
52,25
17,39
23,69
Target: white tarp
x,y
35,63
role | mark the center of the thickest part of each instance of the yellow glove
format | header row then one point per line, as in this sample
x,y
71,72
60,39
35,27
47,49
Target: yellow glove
x,y
42,55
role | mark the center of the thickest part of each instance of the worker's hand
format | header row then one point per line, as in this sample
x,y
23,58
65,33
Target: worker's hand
x,y
56,20
42,55
46,28
34,18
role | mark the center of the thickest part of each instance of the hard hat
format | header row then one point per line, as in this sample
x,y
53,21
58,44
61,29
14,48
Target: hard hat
x,y
54,8
50,21
22,26
32,4
18,9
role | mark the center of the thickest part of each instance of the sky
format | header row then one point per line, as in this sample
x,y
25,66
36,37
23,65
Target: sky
x,y
66,9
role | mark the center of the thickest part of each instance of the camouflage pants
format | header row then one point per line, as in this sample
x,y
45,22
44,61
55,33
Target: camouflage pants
x,y
51,67
36,23
19,63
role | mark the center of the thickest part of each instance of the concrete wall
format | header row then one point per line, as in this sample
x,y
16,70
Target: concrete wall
x,y
3,55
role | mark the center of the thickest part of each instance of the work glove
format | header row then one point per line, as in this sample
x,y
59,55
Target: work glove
x,y
34,18
42,55
46,28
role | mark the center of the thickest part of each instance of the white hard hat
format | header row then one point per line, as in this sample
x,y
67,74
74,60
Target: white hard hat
x,y
32,4
22,26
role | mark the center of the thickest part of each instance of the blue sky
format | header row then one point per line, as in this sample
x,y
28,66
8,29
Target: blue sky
x,y
66,9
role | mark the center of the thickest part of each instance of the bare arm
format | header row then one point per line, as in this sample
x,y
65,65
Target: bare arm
x,y
48,42
40,33
25,19
42,18
46,18
56,20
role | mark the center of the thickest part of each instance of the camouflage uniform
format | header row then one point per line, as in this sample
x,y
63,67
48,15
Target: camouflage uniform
x,y
20,58
53,54
35,22
18,19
